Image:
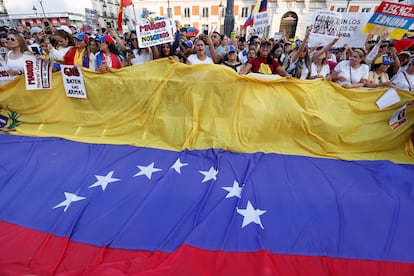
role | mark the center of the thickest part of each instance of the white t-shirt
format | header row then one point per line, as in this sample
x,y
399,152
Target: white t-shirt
x,y
351,75
194,60
321,74
145,56
401,82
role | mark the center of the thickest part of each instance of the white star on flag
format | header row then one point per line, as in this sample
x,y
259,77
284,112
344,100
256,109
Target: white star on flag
x,y
147,171
69,199
103,181
233,191
208,175
178,165
251,215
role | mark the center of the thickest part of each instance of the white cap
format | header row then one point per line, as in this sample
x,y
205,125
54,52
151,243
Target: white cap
x,y
65,28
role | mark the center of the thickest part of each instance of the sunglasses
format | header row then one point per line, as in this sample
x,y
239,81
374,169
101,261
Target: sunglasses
x,y
10,39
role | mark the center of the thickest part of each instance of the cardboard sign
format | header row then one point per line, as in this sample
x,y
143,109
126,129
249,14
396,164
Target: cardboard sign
x,y
261,20
38,73
155,33
390,17
325,27
73,81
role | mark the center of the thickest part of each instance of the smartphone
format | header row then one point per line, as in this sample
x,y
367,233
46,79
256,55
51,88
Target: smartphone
x,y
205,32
28,24
46,23
35,50
108,25
233,35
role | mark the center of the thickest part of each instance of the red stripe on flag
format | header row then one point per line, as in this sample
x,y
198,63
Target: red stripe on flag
x,y
24,251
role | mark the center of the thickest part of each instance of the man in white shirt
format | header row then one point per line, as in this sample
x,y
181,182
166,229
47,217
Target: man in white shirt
x,y
404,80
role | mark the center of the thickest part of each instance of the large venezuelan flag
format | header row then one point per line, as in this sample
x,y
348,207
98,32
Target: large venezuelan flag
x,y
169,169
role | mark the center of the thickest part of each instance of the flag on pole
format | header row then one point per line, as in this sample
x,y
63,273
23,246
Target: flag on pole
x,y
124,3
261,6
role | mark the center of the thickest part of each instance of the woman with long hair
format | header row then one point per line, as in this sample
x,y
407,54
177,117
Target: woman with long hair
x,y
16,57
65,43
299,62
378,77
79,54
107,59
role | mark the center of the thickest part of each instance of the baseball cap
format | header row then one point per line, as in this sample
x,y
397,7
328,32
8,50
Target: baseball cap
x,y
266,42
65,29
232,48
384,59
81,37
106,38
35,30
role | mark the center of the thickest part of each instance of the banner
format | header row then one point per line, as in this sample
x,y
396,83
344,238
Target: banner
x,y
4,72
38,73
155,33
73,81
352,24
325,27
390,17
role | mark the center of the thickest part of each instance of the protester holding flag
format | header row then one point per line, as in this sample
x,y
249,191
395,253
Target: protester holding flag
x,y
107,58
65,41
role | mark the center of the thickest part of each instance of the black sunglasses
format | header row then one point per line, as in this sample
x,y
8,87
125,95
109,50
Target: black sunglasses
x,y
10,39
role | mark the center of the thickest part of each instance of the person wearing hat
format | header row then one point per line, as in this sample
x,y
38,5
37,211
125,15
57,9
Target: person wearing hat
x,y
404,80
78,55
65,43
404,58
107,58
231,59
378,77
38,35
264,63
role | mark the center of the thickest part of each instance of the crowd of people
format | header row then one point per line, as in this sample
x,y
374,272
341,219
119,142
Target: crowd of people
x,y
376,65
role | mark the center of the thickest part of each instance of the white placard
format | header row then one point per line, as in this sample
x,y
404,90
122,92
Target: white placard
x,y
73,81
38,73
261,20
351,29
389,98
155,33
325,27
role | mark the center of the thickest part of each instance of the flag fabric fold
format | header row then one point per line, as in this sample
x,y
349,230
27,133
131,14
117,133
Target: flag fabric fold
x,y
172,169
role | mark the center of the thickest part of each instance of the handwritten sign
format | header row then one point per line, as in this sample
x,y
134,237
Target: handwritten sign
x,y
155,33
73,81
261,20
38,73
390,17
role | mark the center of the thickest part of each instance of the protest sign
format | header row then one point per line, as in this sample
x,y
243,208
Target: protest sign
x,y
351,29
38,73
325,27
73,81
261,20
390,17
399,117
155,33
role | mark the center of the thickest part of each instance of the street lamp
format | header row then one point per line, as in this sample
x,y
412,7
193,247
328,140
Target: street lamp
x,y
43,10
229,18
220,15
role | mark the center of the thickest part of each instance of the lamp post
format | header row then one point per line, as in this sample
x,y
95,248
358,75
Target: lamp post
x,y
43,10
229,18
220,14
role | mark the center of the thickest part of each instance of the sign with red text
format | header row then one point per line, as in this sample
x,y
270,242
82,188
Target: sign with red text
x,y
73,81
38,73
155,33
390,17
